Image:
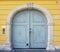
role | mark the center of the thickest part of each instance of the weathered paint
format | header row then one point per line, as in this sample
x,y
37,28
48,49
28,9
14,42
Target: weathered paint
x,y
27,24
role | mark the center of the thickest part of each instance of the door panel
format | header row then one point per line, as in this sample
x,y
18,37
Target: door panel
x,y
20,28
38,30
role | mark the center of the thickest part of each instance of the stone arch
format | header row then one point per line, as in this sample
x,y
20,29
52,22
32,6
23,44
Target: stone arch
x,y
30,6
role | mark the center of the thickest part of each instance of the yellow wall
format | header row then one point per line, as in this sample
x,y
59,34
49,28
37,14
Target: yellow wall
x,y
52,6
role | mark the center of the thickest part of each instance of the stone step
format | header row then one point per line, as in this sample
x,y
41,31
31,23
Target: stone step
x,y
29,50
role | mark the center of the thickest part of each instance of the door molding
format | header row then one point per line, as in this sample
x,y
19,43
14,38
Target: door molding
x,y
50,45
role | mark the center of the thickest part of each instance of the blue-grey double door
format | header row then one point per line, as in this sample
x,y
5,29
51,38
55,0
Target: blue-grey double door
x,y
29,30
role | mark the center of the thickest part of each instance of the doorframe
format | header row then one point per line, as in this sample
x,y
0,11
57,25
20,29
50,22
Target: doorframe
x,y
50,45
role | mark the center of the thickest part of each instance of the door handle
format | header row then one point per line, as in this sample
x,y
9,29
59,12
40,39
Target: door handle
x,y
29,30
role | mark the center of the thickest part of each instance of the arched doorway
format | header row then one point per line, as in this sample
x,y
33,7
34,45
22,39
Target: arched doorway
x,y
35,7
29,30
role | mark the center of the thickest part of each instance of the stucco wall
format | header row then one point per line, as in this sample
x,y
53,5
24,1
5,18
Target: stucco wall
x,y
52,6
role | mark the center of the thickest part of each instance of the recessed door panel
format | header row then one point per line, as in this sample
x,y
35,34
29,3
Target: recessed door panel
x,y
20,30
38,30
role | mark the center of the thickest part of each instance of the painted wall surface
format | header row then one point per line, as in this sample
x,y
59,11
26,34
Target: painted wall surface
x,y
52,6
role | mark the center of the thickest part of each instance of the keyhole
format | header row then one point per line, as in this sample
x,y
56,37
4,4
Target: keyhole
x,y
27,44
